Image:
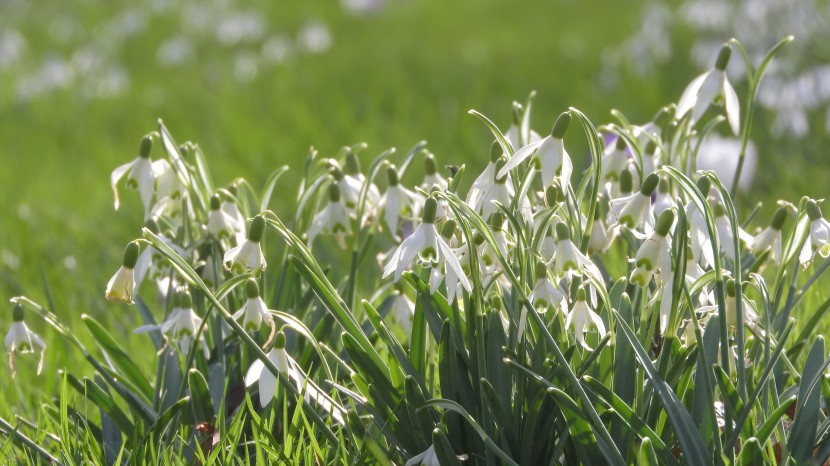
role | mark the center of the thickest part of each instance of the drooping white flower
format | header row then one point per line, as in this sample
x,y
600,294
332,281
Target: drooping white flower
x,y
425,245
485,179
569,260
219,224
653,255
151,262
425,458
725,237
121,287
544,296
663,200
548,156
448,274
139,174
333,219
582,318
22,340
398,202
771,238
432,178
701,93
635,212
249,253
230,208
614,162
500,190
181,324
254,312
351,182
819,239
749,317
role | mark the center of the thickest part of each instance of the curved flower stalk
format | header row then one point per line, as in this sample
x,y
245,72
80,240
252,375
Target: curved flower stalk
x,y
582,318
398,202
267,380
771,238
122,285
818,241
425,245
701,93
653,255
333,219
254,312
22,340
549,156
249,253
139,174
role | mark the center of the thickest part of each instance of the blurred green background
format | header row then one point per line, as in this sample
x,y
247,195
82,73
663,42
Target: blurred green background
x,y
256,85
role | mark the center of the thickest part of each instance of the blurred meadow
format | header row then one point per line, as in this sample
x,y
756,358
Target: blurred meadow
x,y
257,85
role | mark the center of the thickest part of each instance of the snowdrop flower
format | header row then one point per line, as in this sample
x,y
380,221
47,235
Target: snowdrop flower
x,y
449,275
651,159
614,162
151,261
402,310
487,252
254,312
549,156
333,219
230,208
545,294
819,240
663,200
653,255
726,239
635,212
771,238
121,286
703,90
582,318
750,318
268,380
139,174
351,182
219,224
513,134
499,190
22,340
601,236
398,201
688,336
249,253
431,176
485,179
569,260
425,458
183,321
698,227
424,244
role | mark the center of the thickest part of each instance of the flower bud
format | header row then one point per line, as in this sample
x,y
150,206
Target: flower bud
x,y
541,270
813,210
251,288
561,125
704,184
17,312
730,288
649,184
145,147
626,181
651,147
448,230
279,340
553,194
152,225
429,164
430,209
517,113
257,229
337,173
352,164
621,145
562,231
497,221
185,300
779,218
495,152
580,294
664,223
215,202
130,255
392,175
723,57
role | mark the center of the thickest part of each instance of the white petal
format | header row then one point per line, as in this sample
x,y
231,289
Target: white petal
x,y
709,89
267,387
519,156
452,263
116,176
689,97
732,107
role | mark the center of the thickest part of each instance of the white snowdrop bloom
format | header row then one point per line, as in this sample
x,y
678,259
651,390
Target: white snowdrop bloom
x,y
653,255
425,245
701,243
545,294
688,336
402,310
121,286
286,365
651,158
485,179
582,318
151,262
249,253
425,458
499,190
449,275
771,238
635,212
350,181
750,318
703,90
254,312
169,191
219,224
819,239
398,202
724,230
333,219
431,176
230,208
601,236
663,200
182,323
548,156
614,162
514,134
22,340
569,260
139,174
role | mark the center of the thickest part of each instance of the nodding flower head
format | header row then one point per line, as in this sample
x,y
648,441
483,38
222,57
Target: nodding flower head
x,y
121,287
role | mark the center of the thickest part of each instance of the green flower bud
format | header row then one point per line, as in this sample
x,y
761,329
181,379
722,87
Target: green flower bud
x,y
334,193
626,181
561,125
17,312
337,173
541,270
429,164
152,225
730,288
279,340
215,202
562,231
495,151
352,164
430,209
185,300
664,223
553,194
257,229
779,218
448,230
704,184
580,294
251,288
517,113
663,186
621,144
651,147
130,255
649,184
391,175
497,221
813,210
723,57
145,147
